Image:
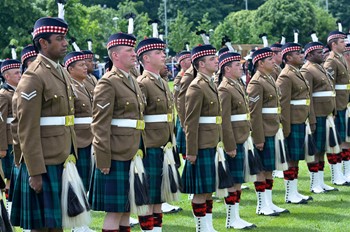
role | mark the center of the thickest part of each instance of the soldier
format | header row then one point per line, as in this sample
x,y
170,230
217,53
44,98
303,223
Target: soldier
x,y
295,105
28,55
277,57
117,109
202,132
45,112
264,107
10,69
337,67
236,129
91,81
322,109
159,124
347,53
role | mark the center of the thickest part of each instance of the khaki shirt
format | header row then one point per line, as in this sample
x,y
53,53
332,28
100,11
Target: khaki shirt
x,y
6,94
234,101
181,98
177,87
263,93
276,71
44,91
90,82
116,98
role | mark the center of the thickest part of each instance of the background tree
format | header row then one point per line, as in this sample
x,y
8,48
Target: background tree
x,y
180,32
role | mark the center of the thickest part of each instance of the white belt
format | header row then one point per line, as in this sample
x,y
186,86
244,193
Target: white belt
x,y
240,117
9,120
210,120
305,102
158,118
342,87
85,120
132,123
324,94
57,121
272,110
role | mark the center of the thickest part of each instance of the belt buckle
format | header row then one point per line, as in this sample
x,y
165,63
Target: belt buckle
x,y
140,124
281,126
279,110
248,116
333,94
170,117
218,120
69,120
348,86
308,102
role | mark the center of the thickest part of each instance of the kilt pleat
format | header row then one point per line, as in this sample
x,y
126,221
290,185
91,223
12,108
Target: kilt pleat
x,y
110,193
153,164
340,124
296,142
267,155
200,177
236,165
84,165
320,134
13,178
180,138
36,211
8,162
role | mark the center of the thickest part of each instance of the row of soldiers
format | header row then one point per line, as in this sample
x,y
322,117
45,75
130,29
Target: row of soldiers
x,y
261,129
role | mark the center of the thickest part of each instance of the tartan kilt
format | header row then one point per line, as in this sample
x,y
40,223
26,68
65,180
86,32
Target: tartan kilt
x,y
296,142
180,138
110,193
320,134
13,178
200,177
8,162
236,165
340,124
38,211
267,155
84,165
153,164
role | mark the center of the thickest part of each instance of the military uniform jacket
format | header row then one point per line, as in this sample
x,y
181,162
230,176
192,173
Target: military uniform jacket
x,y
233,101
44,91
116,98
201,100
14,125
337,68
181,98
90,82
159,100
177,87
319,81
6,94
276,71
263,93
293,86
83,109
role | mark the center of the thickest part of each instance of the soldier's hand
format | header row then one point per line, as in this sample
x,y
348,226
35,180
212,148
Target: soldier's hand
x,y
191,158
259,146
105,170
2,154
36,183
232,153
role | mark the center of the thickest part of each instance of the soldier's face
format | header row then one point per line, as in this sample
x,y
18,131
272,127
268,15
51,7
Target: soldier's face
x,y
57,47
78,70
126,56
296,58
339,46
90,65
211,63
185,63
236,69
277,56
267,64
317,56
12,76
156,59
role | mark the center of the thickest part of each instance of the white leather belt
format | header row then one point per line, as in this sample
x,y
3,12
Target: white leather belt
x,y
272,110
131,123
342,87
302,102
240,117
158,118
57,121
9,120
324,94
210,120
84,120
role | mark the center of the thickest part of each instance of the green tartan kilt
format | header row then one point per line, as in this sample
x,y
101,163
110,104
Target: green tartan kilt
x,y
37,211
84,165
200,177
236,165
340,124
296,142
320,134
153,164
13,178
110,193
180,138
8,162
267,155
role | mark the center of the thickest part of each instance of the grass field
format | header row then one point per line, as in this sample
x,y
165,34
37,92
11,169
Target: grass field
x,y
327,212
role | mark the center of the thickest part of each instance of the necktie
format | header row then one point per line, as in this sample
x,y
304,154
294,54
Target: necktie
x,y
131,82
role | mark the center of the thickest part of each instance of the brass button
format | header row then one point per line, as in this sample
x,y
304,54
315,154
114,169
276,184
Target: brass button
x,y
72,109
270,95
67,87
211,102
83,104
158,99
55,96
70,98
127,103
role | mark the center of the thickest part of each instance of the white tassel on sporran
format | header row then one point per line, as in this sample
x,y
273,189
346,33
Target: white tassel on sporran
x,y
309,158
280,151
330,128
248,146
221,169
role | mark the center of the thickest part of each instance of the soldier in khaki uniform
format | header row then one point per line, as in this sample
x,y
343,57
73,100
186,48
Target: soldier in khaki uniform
x,y
337,67
265,118
45,112
295,105
236,129
202,134
90,81
117,108
28,55
322,109
277,57
159,124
